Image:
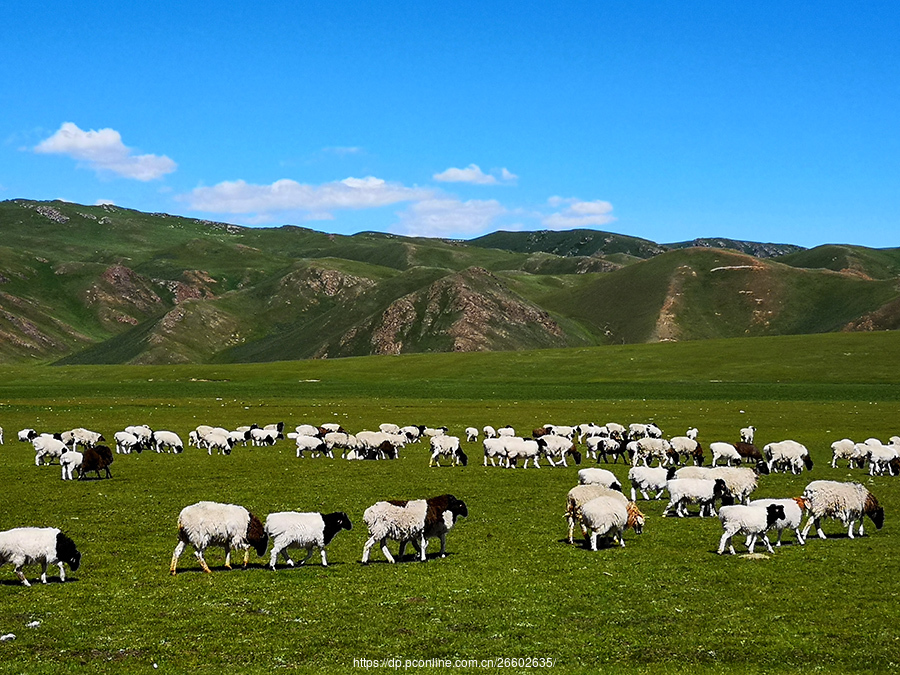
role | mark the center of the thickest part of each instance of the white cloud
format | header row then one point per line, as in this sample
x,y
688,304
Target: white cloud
x,y
103,150
288,195
474,175
104,202
448,217
577,214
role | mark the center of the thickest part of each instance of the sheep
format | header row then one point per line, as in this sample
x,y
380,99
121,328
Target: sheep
x,y
845,449
880,459
27,435
648,448
605,446
412,433
552,446
312,444
126,442
44,545
705,492
446,446
564,431
685,446
494,447
434,431
403,521
753,521
49,447
636,431
506,431
82,436
793,516
727,451
290,529
608,515
332,427
260,437
308,430
94,459
392,429
489,432
590,430
747,434
167,439
748,451
471,435
212,524
521,448
373,440
616,430
788,454
595,476
645,479
339,439
278,428
581,494
69,461
740,481
143,433
692,433
848,502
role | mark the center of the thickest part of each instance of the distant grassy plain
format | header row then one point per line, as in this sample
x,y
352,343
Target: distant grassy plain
x,y
509,587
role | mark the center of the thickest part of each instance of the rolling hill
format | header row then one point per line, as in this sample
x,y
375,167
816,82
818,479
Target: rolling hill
x,y
105,284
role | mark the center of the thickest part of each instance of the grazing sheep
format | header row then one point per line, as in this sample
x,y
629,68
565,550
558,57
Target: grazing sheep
x,y
96,458
332,427
793,516
847,502
608,515
311,444
648,448
692,433
581,494
82,436
264,437
845,449
553,446
471,435
27,435
70,460
43,545
489,432
290,529
787,454
748,451
521,448
606,446
308,430
726,451
558,430
616,430
646,479
753,521
49,447
446,446
595,476
747,434
221,443
143,433
685,446
167,440
506,431
881,458
404,521
388,428
412,433
212,524
590,430
435,431
705,492
341,440
126,442
494,448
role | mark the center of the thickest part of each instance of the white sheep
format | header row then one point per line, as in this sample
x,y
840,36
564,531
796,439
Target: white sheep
x,y
388,428
218,441
414,520
608,515
70,461
747,434
126,442
753,521
341,440
494,448
212,524
264,437
787,454
649,479
167,440
312,444
290,529
590,430
27,435
793,516
471,435
597,476
616,430
581,494
434,431
557,447
604,446
46,446
880,459
684,491
506,431
845,449
848,502
489,432
521,448
143,433
740,481
42,545
692,433
720,450
648,448
446,446
685,446
82,436
412,433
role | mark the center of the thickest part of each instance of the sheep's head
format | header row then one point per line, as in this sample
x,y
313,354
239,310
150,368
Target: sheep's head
x,y
635,518
463,457
576,455
874,511
762,468
67,552
256,535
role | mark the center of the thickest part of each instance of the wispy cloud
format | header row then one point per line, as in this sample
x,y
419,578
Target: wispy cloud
x,y
342,151
474,175
103,151
448,217
578,213
317,201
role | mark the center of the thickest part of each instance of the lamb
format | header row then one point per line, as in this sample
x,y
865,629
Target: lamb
x,y
692,433
506,431
727,451
70,460
49,447
82,436
595,476
608,515
446,446
44,545
848,502
521,448
312,444
404,521
793,516
27,435
788,454
880,459
212,524
753,521
581,494
558,447
845,449
261,437
221,443
126,442
471,435
747,434
646,479
412,433
705,492
167,440
493,448
94,459
290,529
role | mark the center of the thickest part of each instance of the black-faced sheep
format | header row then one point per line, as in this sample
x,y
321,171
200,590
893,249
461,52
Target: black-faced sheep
x,y
753,521
415,520
212,524
446,446
848,502
42,545
290,529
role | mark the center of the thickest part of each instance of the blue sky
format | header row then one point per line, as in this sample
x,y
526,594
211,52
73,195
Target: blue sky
x,y
764,121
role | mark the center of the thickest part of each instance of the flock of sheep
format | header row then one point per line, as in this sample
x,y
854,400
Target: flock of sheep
x,y
598,503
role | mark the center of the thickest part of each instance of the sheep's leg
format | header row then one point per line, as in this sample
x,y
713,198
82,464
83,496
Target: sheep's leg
x,y
384,549
274,557
424,545
666,510
309,552
324,558
726,535
44,571
861,523
366,548
401,551
850,529
62,571
228,556
768,544
549,459
178,551
246,557
21,576
443,544
594,536
199,555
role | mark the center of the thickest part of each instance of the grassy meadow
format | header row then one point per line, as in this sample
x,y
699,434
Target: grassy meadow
x,y
510,587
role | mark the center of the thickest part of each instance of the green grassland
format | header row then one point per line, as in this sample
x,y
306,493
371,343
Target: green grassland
x,y
510,586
